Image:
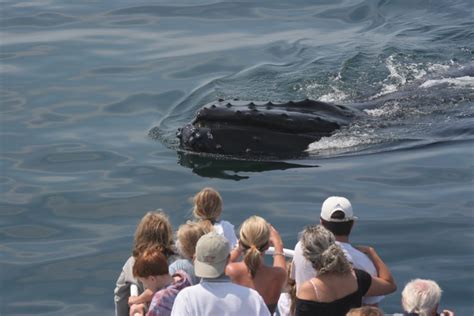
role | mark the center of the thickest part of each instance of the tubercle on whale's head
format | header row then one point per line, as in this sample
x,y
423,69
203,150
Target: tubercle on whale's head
x,y
198,139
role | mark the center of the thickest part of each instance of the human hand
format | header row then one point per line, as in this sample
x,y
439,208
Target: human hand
x,y
137,310
369,251
133,300
275,238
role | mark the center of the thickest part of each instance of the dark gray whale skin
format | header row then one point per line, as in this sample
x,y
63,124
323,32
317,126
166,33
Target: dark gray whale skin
x,y
241,128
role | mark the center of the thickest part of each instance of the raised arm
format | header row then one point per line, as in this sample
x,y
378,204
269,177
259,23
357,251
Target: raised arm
x,y
236,253
383,283
277,243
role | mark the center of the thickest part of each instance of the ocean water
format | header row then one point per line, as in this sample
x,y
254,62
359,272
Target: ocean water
x,y
92,93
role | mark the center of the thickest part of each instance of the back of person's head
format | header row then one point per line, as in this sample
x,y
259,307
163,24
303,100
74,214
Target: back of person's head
x,y
151,262
207,205
337,215
421,297
154,231
320,248
254,238
365,311
187,237
212,254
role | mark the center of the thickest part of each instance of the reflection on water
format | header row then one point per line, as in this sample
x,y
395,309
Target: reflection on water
x,y
225,168
85,82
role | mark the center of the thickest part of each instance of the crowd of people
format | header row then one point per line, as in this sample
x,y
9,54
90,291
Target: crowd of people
x,y
204,269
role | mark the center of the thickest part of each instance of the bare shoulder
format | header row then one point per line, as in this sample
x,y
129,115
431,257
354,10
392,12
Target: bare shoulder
x,y
233,270
306,291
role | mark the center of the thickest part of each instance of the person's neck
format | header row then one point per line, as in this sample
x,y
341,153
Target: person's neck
x,y
342,238
167,280
222,277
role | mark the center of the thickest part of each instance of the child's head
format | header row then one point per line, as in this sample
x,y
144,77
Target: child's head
x,y
365,311
154,231
254,238
187,237
207,205
151,268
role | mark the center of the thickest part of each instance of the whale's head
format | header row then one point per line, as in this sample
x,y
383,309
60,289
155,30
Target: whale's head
x,y
262,129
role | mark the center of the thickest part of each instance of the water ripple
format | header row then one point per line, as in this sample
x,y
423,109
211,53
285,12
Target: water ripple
x,y
29,231
45,19
220,10
145,102
356,14
53,159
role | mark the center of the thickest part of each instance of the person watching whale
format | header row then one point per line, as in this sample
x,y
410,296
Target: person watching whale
x,y
337,216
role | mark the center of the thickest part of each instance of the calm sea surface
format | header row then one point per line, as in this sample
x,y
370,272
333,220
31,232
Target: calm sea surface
x,y
92,93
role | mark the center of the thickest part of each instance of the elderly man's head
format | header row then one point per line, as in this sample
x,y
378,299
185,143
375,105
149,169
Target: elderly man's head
x,y
421,297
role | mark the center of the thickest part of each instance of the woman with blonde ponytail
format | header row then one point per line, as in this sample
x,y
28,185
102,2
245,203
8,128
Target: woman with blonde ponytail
x,y
337,287
256,235
207,208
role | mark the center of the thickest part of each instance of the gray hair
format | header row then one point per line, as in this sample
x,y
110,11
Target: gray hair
x,y
320,248
421,297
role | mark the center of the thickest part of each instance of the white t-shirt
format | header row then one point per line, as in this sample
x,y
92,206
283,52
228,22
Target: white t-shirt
x,y
360,261
302,270
219,297
226,229
284,304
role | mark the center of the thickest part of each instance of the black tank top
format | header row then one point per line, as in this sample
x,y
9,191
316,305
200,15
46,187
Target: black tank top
x,y
339,307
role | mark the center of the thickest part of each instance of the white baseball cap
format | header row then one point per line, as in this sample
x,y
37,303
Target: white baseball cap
x,y
212,251
337,203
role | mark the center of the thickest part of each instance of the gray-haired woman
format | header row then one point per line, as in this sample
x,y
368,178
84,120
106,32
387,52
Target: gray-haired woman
x,y
337,287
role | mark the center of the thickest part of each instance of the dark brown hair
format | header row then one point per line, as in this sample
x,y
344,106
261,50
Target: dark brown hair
x,y
338,228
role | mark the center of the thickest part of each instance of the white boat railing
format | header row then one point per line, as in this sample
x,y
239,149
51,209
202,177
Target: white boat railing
x,y
270,251
289,253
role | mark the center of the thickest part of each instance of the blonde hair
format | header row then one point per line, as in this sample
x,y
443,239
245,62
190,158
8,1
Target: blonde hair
x,y
254,237
154,231
365,311
320,248
207,206
187,237
421,297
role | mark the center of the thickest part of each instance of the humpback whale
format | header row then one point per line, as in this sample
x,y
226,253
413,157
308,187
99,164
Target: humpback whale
x,y
241,128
